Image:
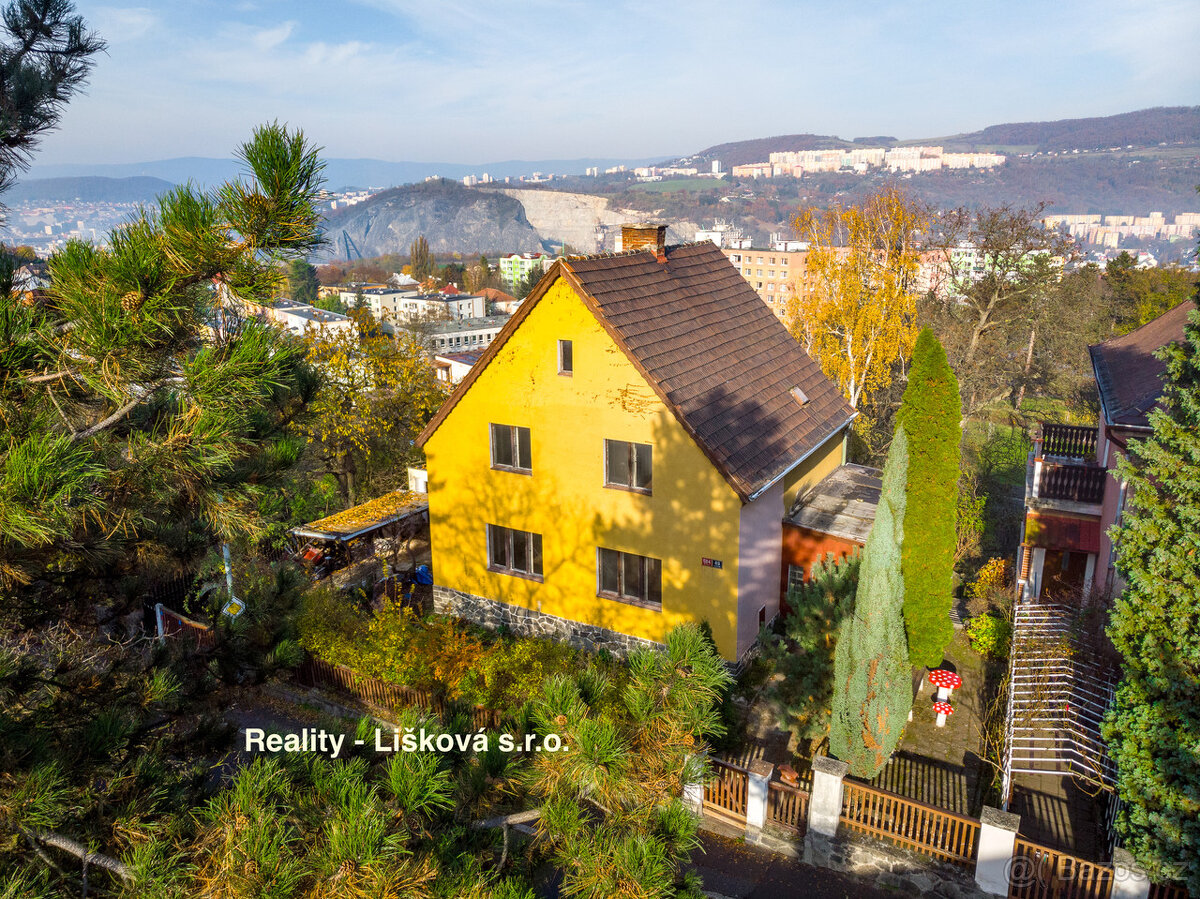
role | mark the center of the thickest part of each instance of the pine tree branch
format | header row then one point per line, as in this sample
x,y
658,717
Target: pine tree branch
x,y
66,844
42,379
108,422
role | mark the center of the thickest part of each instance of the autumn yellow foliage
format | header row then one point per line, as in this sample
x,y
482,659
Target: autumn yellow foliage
x,y
376,394
855,310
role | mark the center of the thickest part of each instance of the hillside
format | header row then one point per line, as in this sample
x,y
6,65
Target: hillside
x,y
340,173
453,218
1174,125
1144,128
86,189
745,152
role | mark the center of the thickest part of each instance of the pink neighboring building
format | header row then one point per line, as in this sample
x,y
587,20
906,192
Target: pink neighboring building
x,y
1073,495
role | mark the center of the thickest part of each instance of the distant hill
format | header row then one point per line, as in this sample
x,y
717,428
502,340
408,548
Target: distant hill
x,y
453,219
1176,125
339,173
86,189
745,152
1144,128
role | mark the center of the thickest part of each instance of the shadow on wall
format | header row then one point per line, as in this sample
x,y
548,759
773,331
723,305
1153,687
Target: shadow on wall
x,y
690,515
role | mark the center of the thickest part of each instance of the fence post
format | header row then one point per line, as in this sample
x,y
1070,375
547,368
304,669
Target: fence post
x,y
997,839
757,779
693,796
1129,880
825,804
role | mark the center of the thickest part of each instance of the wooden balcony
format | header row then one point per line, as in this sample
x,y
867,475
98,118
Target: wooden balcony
x,y
1071,483
1066,442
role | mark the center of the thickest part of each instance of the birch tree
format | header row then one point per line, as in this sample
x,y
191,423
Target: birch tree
x,y
855,311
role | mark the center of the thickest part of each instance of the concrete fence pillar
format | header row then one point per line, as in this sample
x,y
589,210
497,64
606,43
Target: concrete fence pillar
x,y
693,796
756,793
1129,880
997,839
825,804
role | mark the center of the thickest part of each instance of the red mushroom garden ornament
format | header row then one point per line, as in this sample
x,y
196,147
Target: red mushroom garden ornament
x,y
946,681
943,709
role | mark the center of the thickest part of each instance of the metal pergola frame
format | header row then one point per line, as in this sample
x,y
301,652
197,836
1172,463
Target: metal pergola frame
x,y
1059,689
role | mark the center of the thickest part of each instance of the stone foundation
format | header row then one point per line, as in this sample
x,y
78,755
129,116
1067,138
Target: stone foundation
x,y
530,623
889,866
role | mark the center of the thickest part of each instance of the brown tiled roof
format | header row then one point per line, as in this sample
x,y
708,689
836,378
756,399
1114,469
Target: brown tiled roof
x,y
1128,375
712,350
492,295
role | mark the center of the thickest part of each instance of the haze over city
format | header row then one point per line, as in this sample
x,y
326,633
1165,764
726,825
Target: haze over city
x,y
461,82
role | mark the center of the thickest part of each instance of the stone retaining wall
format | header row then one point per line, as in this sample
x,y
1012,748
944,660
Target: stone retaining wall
x,y
889,866
529,623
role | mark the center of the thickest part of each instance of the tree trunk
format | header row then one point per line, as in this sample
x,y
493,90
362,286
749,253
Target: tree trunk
x,y
1025,374
344,472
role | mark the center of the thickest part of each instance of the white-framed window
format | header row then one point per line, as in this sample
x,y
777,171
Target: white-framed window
x,y
628,465
629,578
514,552
510,448
566,357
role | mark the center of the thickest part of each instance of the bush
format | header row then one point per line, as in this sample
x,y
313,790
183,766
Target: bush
x,y
804,655
990,635
991,589
434,653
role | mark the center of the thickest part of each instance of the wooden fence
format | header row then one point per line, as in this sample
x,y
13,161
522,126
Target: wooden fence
x,y
1039,872
1168,891
787,807
725,794
384,694
906,822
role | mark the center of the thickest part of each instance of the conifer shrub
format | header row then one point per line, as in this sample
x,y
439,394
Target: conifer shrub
x,y
804,653
1152,728
872,692
931,415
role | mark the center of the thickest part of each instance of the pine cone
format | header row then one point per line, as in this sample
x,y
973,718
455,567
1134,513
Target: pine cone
x,y
132,301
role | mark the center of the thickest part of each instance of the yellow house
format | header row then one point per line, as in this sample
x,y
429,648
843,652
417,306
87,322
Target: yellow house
x,y
620,459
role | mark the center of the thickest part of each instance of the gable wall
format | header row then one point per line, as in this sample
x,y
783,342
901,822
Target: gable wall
x,y
692,514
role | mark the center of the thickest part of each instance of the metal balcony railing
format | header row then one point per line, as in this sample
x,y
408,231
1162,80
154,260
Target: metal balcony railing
x,y
1070,441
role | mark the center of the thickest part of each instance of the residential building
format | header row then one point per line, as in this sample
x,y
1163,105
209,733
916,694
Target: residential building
x,y
1073,495
300,318
463,334
833,517
453,367
498,301
621,458
392,307
1059,657
515,267
775,275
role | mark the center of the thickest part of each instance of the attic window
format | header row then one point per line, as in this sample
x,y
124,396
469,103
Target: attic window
x,y
799,396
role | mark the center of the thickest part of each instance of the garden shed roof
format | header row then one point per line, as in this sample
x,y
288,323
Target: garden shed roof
x,y
359,520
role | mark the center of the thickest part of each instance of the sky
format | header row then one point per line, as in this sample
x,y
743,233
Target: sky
x,y
467,82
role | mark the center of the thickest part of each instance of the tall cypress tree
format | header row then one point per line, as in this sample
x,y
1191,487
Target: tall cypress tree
x,y
872,691
931,414
1153,727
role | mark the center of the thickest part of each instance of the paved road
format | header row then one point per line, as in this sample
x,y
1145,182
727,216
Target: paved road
x,y
733,869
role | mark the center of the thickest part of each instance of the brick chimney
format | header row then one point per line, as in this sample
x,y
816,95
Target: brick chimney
x,y
645,237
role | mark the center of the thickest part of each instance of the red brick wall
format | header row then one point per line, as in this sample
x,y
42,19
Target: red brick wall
x,y
804,547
